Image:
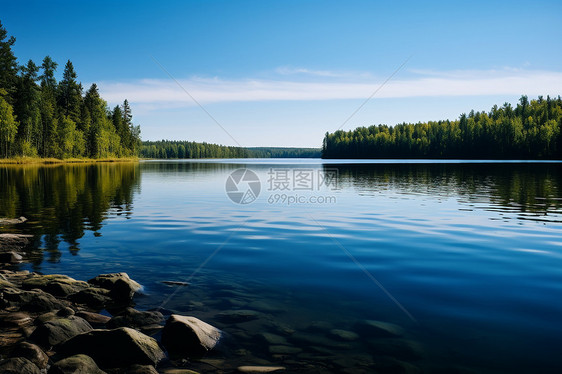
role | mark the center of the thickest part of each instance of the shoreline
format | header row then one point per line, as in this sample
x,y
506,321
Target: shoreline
x,y
51,161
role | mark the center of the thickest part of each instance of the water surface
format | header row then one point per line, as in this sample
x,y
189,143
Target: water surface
x,y
465,256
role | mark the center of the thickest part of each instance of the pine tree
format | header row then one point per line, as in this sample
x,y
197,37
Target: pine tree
x,y
8,65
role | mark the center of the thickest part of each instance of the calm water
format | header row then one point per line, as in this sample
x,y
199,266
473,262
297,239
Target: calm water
x,y
466,257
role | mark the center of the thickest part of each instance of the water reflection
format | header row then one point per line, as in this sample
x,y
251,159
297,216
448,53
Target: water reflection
x,y
61,202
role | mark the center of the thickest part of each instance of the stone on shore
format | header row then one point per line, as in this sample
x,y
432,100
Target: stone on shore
x,y
94,319
12,221
185,336
59,330
145,321
32,301
31,352
119,284
141,369
95,298
55,284
14,241
121,347
77,364
10,257
18,365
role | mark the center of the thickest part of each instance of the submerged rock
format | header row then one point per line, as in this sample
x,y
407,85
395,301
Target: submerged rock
x,y
121,347
185,336
77,364
119,284
59,330
238,316
18,365
379,329
259,369
31,352
176,283
343,335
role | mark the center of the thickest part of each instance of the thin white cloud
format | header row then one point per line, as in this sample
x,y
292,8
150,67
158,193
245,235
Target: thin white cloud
x,y
166,93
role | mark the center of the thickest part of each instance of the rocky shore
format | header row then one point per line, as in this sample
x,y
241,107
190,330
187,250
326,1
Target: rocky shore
x,y
57,324
52,323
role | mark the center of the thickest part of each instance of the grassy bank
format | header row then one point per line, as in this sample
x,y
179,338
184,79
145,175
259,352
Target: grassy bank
x,y
40,160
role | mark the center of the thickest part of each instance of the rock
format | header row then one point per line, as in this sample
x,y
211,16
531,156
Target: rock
x,y
178,371
273,339
259,369
10,338
284,350
95,298
12,221
55,284
15,242
10,257
176,283
398,348
119,347
59,330
185,336
121,287
379,329
77,364
141,369
32,301
18,365
15,319
94,319
6,284
238,316
135,319
66,312
32,352
344,335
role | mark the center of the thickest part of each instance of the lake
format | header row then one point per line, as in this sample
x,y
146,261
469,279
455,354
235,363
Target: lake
x,y
295,259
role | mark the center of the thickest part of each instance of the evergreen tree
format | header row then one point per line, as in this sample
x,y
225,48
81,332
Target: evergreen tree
x,y
8,65
69,93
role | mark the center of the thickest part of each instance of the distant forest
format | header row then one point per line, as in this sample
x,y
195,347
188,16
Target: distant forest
x,y
532,130
173,149
40,117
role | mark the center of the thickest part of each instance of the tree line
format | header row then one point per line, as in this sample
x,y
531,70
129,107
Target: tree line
x,y
40,117
531,130
174,149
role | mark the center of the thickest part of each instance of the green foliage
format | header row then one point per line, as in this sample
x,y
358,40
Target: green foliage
x,y
170,149
530,131
54,119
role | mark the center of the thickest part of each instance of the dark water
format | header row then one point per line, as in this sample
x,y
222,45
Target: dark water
x,y
466,257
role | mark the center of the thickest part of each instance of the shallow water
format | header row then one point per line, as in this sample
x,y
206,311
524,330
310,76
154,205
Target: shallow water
x,y
466,257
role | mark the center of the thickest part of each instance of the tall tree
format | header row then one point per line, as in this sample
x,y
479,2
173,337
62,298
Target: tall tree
x,y
69,93
8,65
8,125
27,110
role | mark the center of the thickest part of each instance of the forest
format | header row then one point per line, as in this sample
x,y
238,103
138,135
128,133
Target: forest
x,y
172,149
40,117
531,130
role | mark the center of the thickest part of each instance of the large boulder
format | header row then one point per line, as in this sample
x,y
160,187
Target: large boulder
x,y
77,364
94,319
95,298
18,365
185,336
32,301
130,317
115,348
55,284
121,287
59,330
31,352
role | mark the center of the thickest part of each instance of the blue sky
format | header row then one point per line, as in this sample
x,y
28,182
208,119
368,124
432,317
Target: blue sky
x,y
282,73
